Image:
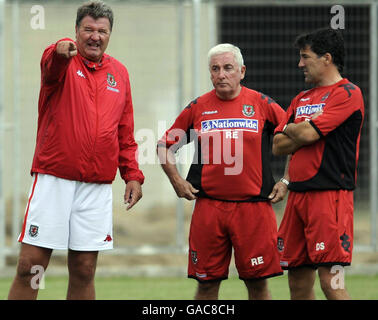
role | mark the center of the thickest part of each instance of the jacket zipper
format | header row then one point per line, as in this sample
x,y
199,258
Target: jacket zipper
x,y
96,131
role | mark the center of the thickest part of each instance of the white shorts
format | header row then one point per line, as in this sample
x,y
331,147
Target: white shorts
x,y
66,214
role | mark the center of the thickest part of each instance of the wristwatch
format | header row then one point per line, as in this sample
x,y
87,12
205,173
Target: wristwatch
x,y
284,181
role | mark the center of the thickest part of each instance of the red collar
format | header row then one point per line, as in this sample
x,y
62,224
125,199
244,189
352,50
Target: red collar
x,y
96,65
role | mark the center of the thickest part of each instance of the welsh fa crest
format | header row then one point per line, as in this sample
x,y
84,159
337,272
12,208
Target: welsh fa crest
x,y
111,80
194,257
248,111
33,230
280,244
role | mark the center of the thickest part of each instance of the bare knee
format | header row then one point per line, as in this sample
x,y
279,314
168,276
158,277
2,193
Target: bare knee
x,y
85,272
258,289
301,283
332,282
24,268
207,290
257,285
29,265
325,284
28,276
82,268
208,286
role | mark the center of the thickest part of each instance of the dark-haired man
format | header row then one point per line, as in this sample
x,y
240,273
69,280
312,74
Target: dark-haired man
x,y
322,132
85,133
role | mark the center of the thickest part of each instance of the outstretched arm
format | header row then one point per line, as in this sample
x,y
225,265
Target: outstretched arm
x,y
66,49
56,59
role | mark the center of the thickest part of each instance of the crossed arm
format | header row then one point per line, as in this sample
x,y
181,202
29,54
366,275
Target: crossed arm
x,y
294,136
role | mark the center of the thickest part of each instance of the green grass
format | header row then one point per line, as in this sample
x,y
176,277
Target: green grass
x,y
125,288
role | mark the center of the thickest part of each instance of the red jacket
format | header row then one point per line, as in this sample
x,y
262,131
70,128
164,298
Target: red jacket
x,y
85,120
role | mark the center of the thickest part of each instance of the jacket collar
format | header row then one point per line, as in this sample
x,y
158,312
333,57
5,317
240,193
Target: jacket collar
x,y
96,65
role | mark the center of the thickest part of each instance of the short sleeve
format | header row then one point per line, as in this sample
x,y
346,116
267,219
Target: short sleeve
x,y
338,108
178,134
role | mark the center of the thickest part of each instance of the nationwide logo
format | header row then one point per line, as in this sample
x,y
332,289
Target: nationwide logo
x,y
308,110
227,124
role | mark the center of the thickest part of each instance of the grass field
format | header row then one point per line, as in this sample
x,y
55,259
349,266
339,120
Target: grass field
x,y
125,288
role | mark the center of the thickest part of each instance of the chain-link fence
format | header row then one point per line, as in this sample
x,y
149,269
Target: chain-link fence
x,y
164,45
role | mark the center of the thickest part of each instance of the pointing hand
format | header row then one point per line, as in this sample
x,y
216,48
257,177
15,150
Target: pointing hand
x,y
66,49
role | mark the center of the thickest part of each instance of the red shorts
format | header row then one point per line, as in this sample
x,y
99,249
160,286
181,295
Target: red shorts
x,y
317,229
248,227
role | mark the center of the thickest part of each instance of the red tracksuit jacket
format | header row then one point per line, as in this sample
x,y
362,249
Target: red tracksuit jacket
x,y
85,120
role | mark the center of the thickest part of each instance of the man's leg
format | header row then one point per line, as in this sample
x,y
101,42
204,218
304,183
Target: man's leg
x,y
334,289
30,256
258,289
207,290
301,283
81,269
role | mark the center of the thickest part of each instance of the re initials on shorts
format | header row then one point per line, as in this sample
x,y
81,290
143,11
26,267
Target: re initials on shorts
x,y
257,261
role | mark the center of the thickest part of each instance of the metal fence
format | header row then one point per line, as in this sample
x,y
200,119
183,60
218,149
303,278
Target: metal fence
x,y
164,46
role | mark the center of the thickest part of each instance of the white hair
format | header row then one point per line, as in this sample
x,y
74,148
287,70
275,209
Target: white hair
x,y
224,48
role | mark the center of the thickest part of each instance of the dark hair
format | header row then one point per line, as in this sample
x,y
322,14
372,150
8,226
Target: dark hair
x,y
322,41
95,9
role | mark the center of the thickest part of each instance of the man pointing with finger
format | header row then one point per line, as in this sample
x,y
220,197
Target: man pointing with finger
x,y
66,49
85,132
